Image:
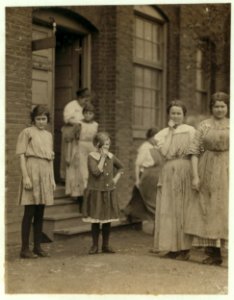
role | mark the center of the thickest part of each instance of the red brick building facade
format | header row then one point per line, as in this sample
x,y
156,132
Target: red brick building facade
x,y
134,59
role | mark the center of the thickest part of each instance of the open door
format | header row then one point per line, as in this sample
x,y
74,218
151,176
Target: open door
x,y
43,72
68,78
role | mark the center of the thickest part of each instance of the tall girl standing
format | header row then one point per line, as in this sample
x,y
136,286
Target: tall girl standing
x,y
100,202
35,149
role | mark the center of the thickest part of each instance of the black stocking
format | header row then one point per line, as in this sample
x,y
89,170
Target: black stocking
x,y
95,228
105,234
38,225
29,211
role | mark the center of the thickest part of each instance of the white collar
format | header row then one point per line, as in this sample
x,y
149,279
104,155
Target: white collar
x,y
96,155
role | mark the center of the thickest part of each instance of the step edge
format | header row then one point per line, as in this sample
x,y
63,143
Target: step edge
x,y
62,216
85,227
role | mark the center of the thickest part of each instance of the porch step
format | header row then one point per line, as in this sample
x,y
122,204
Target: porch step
x,y
60,192
85,227
62,205
60,220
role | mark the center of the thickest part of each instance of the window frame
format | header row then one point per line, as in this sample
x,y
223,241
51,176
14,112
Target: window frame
x,y
141,12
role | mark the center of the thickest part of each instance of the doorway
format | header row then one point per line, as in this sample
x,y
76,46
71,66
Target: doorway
x,y
68,78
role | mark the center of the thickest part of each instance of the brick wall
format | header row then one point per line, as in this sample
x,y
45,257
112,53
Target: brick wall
x,y
124,97
18,104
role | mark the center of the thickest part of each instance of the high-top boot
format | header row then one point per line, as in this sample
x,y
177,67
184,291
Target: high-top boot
x,y
25,232
37,230
105,238
95,229
214,256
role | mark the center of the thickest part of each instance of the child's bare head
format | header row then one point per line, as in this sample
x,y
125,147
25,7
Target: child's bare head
x,y
100,139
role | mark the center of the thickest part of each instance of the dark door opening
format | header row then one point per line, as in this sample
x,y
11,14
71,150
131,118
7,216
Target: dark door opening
x,y
68,78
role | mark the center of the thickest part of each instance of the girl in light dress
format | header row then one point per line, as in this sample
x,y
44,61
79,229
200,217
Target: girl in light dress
x,y
78,148
35,149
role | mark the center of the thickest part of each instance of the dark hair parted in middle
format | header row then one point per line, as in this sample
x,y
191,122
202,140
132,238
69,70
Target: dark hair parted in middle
x,y
100,138
177,103
40,110
219,96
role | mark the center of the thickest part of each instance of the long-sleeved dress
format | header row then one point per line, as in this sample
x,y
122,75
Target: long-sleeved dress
x,y
174,189
100,202
37,146
208,210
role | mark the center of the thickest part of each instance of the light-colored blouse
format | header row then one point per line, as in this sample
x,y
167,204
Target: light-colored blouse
x,y
35,142
88,130
180,139
73,112
212,135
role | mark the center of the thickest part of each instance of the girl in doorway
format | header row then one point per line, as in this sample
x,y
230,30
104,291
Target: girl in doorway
x,y
35,148
77,157
100,203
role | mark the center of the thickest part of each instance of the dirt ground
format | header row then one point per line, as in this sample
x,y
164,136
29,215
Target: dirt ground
x,y
131,270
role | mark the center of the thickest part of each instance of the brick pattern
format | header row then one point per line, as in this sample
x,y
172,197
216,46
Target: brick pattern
x,y
18,104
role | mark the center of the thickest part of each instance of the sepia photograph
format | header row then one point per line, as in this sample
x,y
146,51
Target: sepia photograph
x,y
117,148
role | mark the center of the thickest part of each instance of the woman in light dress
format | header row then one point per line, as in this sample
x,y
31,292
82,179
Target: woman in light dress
x,y
174,185
207,217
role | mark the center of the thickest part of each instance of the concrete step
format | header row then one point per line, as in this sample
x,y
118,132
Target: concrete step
x,y
58,221
83,228
60,192
62,205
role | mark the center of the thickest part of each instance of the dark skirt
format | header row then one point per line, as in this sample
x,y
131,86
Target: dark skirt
x,y
143,200
100,206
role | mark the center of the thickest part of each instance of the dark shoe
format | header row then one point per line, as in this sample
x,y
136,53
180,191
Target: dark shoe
x,y
216,261
184,255
93,250
41,253
107,249
171,255
28,254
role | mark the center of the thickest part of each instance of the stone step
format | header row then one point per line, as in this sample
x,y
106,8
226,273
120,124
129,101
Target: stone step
x,y
57,221
83,228
60,192
62,205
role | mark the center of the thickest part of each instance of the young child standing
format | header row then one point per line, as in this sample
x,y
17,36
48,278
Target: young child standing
x,y
35,149
77,157
100,203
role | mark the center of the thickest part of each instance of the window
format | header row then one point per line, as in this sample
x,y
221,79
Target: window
x,y
204,69
201,82
149,70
